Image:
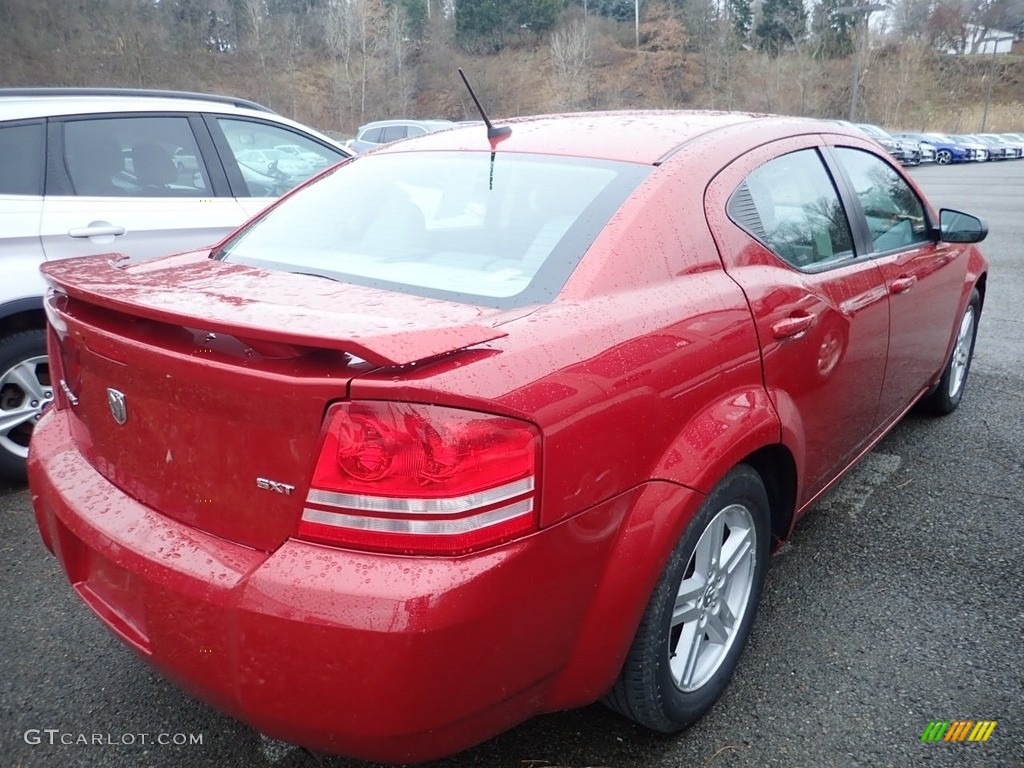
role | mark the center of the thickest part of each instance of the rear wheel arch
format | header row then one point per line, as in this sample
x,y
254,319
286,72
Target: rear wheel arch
x,y
21,315
585,676
777,468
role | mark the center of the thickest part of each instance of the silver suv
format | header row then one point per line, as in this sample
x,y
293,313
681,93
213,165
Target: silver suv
x,y
385,131
139,172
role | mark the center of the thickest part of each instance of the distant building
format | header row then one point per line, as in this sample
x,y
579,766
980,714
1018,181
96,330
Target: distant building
x,y
982,40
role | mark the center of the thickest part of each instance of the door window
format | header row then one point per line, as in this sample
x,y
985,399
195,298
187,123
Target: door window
x,y
895,215
791,205
273,159
21,158
394,133
134,157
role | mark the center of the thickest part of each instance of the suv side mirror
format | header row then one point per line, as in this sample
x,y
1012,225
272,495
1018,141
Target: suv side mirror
x,y
959,227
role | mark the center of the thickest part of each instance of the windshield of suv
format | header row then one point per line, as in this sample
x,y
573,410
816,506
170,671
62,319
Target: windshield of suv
x,y
458,225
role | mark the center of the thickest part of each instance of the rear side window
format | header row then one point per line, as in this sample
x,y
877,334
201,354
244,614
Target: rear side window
x,y
371,135
502,231
791,205
22,149
134,157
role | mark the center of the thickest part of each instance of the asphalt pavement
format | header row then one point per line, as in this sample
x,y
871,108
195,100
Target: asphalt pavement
x,y
898,601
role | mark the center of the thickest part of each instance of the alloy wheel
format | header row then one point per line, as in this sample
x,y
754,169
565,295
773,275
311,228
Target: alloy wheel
x,y
962,352
25,390
713,597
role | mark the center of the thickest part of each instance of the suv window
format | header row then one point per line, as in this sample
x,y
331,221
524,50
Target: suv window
x,y
394,133
791,205
273,159
22,160
895,215
134,157
371,135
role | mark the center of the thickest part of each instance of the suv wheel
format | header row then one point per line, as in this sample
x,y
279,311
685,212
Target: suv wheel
x,y
25,389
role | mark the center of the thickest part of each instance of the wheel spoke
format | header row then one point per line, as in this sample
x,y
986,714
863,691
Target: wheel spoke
x,y
716,628
736,548
686,608
24,377
15,418
688,649
709,549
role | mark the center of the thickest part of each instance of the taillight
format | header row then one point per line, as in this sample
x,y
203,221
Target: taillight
x,y
66,374
421,479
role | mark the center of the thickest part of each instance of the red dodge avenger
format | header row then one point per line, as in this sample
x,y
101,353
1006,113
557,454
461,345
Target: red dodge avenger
x,y
488,424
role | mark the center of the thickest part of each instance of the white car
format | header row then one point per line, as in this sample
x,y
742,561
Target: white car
x,y
138,172
381,132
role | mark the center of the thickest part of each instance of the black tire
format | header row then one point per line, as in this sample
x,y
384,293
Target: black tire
x,y
22,353
943,157
664,691
946,396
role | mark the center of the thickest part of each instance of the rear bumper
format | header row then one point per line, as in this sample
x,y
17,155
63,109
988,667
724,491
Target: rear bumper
x,y
386,658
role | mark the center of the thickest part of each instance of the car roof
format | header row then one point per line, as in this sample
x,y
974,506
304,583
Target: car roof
x,y
25,103
644,136
31,103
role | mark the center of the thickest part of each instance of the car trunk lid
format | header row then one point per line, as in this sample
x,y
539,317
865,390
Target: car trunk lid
x,y
199,388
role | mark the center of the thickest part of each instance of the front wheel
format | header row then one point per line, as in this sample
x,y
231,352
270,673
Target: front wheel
x,y
25,389
700,615
943,157
946,396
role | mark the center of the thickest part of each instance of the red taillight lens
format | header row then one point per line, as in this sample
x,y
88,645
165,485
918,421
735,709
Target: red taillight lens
x,y
421,479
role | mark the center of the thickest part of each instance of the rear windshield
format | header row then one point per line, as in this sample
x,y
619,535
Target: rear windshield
x,y
502,231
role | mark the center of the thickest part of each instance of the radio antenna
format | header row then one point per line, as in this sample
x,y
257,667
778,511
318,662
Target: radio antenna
x,y
494,133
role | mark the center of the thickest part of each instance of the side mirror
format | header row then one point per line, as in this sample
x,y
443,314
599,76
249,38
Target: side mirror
x,y
959,227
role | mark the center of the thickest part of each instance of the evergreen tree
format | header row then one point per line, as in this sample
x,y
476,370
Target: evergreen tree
x,y
742,16
414,15
482,26
783,23
833,32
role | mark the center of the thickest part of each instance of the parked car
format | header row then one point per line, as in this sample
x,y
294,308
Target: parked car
x,y
947,151
296,152
927,150
276,164
381,132
980,152
140,172
1012,149
185,161
479,426
977,151
907,155
997,150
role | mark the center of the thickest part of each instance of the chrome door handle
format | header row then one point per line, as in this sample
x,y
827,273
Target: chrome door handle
x,y
792,327
902,284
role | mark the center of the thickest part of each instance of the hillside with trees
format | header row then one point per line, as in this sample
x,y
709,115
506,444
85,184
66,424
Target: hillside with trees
x,y
336,64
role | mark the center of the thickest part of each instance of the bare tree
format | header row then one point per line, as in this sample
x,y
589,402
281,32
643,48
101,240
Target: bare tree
x,y
570,57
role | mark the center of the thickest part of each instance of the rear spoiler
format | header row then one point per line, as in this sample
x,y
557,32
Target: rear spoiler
x,y
194,291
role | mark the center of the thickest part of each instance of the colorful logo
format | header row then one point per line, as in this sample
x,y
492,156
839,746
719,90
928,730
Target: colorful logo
x,y
958,730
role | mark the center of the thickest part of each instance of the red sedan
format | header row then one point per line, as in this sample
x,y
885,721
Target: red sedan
x,y
470,429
